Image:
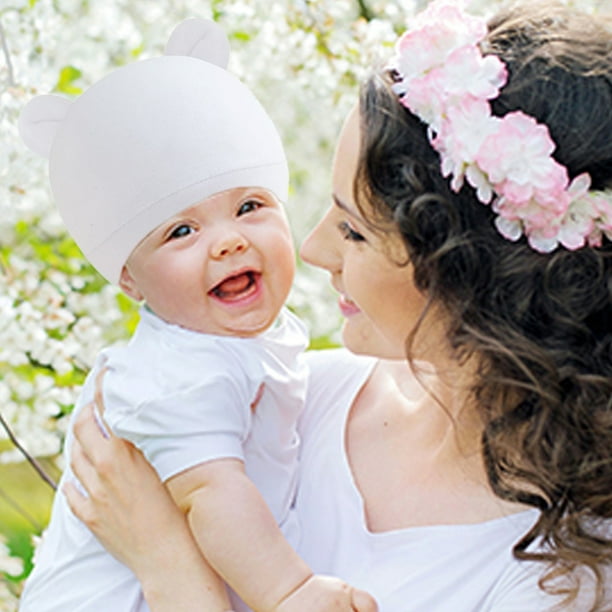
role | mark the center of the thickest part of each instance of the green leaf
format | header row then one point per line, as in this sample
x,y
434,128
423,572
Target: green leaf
x,y
323,342
241,36
217,9
68,75
131,311
136,51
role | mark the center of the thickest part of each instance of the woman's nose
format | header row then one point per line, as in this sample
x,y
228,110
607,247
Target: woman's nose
x,y
317,248
229,244
307,248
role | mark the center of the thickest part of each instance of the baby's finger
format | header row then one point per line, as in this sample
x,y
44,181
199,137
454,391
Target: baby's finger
x,y
362,601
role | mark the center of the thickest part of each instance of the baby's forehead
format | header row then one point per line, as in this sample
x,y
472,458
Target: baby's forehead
x,y
229,197
228,200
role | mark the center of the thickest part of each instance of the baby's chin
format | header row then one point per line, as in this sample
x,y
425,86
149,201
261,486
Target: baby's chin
x,y
246,325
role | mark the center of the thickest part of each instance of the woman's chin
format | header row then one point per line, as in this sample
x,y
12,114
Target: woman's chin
x,y
362,338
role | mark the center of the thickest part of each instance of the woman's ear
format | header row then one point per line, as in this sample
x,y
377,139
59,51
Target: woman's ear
x,y
128,285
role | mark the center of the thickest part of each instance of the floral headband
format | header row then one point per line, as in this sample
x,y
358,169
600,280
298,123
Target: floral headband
x,y
446,81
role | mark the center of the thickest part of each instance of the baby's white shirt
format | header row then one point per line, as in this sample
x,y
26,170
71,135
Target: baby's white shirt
x,y
183,398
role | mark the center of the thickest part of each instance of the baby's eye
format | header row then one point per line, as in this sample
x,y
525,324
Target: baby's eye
x,y
249,206
349,233
180,231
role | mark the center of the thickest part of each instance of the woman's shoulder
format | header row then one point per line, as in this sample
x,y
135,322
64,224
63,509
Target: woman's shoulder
x,y
337,358
335,376
333,370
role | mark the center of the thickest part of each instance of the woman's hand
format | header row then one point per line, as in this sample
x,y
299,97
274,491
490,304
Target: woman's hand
x,y
132,514
123,490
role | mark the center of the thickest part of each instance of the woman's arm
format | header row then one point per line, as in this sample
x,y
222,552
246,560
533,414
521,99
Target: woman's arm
x,y
133,515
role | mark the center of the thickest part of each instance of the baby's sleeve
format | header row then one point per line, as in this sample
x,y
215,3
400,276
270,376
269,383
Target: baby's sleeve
x,y
188,426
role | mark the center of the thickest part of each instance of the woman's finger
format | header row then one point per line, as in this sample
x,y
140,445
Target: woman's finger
x,y
82,467
88,432
108,456
98,393
98,403
79,504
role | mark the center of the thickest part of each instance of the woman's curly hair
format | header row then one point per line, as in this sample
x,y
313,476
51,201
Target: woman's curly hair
x,y
540,324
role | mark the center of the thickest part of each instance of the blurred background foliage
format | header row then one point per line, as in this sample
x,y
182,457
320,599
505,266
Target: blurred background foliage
x,y
303,59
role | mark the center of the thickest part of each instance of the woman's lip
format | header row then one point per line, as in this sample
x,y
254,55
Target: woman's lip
x,y
347,308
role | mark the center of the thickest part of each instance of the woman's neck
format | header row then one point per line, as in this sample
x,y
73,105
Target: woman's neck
x,y
414,442
437,401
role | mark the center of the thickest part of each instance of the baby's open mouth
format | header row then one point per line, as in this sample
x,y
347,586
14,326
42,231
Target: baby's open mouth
x,y
236,286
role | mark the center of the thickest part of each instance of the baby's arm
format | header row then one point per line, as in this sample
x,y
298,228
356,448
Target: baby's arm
x,y
240,538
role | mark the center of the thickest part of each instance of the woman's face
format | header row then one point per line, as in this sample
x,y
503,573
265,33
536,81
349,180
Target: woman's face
x,y
378,298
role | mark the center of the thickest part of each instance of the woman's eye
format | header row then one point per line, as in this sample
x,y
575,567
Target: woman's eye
x,y
180,231
349,233
249,206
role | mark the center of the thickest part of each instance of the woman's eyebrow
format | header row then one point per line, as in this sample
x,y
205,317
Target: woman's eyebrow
x,y
345,207
349,210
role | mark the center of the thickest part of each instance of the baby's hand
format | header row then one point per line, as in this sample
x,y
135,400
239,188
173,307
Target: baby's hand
x,y
327,594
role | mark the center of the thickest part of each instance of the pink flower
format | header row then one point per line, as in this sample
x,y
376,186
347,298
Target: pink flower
x,y
467,72
461,135
518,152
419,51
576,226
447,83
541,243
585,219
423,97
510,229
443,41
452,23
602,204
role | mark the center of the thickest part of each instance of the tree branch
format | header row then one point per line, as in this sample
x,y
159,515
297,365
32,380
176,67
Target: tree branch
x,y
365,11
31,460
7,56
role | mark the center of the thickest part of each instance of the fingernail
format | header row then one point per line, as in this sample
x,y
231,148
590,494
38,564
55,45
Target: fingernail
x,y
100,423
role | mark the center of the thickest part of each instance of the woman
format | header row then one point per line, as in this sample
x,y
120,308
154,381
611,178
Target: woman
x,y
477,476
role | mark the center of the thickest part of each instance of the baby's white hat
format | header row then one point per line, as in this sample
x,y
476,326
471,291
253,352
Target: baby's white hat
x,y
151,139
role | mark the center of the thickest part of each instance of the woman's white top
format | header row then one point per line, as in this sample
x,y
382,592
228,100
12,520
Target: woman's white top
x,y
439,568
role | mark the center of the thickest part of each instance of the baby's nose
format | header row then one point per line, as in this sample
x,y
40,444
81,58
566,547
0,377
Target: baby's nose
x,y
229,244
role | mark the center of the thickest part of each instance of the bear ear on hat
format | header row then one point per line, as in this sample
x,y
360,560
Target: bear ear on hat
x,y
39,121
201,38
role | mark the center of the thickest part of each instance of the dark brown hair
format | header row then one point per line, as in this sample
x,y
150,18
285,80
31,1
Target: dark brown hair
x,y
540,324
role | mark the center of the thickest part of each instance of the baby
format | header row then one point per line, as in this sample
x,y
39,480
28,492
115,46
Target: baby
x,y
170,177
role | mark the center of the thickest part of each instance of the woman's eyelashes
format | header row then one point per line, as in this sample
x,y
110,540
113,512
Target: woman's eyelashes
x,y
349,233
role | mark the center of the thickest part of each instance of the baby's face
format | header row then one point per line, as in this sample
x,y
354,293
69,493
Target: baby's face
x,y
224,266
